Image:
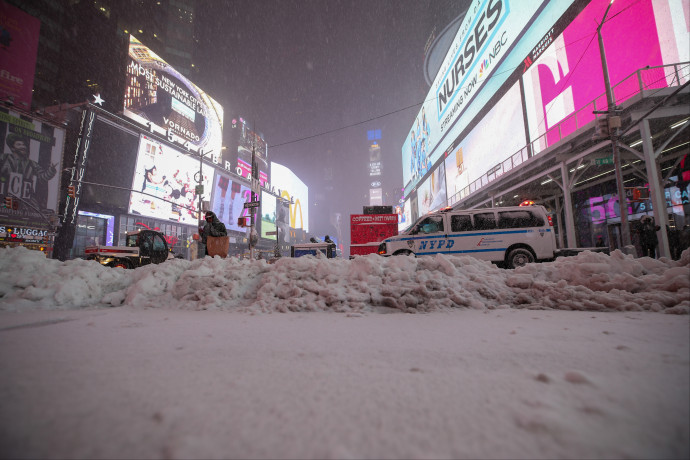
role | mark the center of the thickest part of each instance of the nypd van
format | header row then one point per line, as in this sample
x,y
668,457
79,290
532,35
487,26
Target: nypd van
x,y
510,236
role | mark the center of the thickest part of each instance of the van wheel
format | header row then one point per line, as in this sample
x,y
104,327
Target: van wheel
x,y
519,257
403,252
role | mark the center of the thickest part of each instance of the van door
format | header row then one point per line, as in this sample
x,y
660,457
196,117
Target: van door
x,y
430,236
486,243
460,238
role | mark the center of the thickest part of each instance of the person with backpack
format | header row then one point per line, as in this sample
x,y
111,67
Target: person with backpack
x,y
212,227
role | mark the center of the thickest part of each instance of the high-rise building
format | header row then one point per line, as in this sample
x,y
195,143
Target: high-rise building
x,y
82,41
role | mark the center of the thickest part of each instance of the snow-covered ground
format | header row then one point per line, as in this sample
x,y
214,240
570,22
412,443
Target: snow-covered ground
x,y
191,365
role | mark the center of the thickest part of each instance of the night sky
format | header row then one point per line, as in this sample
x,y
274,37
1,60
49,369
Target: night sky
x,y
296,68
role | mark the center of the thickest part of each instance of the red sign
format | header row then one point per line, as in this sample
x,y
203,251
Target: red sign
x,y
372,228
18,50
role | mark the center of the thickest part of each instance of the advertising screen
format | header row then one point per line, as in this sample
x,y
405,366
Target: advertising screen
x,y
490,44
228,201
292,188
29,166
431,193
375,159
249,140
568,75
19,45
156,93
498,135
164,180
404,215
268,215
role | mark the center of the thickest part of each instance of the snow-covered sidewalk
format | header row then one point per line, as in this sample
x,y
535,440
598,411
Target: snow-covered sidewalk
x,y
570,359
166,383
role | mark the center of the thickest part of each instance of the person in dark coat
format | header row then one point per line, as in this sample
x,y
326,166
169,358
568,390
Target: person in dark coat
x,y
648,238
212,227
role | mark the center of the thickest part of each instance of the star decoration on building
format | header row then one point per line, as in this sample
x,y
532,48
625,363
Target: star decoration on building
x,y
97,99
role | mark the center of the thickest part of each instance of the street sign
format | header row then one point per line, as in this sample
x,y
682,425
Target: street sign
x,y
604,161
271,233
252,204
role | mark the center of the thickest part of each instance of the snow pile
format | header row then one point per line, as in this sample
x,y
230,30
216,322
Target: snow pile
x,y
590,281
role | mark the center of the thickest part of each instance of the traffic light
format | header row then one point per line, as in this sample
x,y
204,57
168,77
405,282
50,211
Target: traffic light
x,y
71,192
8,202
15,204
601,129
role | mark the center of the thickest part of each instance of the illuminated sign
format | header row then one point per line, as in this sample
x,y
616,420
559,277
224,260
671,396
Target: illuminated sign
x,y
292,188
29,165
19,45
498,135
23,234
110,226
268,215
165,183
162,99
431,193
478,64
228,200
560,81
375,197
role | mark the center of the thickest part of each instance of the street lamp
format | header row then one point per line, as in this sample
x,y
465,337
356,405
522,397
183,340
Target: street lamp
x,y
611,103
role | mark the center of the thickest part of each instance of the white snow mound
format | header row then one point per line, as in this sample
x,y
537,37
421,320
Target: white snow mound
x,y
589,281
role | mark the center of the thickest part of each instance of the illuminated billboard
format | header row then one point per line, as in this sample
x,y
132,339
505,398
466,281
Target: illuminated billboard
x,y
19,46
498,135
29,166
247,142
228,201
268,215
404,215
292,188
490,44
431,194
161,98
164,183
561,80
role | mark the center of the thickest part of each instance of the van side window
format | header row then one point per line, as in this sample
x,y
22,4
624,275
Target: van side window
x,y
462,223
484,221
519,219
432,224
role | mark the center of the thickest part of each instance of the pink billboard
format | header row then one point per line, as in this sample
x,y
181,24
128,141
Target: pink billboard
x,y
18,48
568,76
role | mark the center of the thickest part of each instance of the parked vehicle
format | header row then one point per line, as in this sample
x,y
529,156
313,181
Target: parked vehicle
x,y
142,248
510,236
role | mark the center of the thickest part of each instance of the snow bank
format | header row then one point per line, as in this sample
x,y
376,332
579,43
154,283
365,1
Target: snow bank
x,y
589,281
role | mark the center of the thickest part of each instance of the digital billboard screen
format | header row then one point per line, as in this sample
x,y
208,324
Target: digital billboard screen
x,y
228,200
568,74
247,142
19,46
164,183
498,135
404,215
29,166
292,188
431,194
268,215
157,93
490,44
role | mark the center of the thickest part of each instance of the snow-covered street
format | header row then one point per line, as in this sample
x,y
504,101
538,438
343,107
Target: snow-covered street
x,y
495,369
